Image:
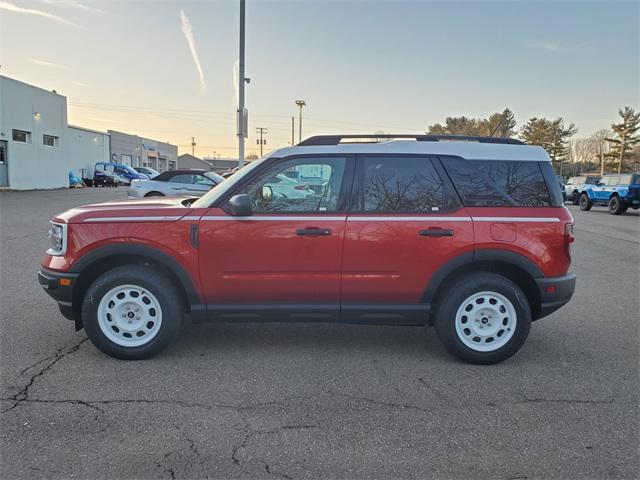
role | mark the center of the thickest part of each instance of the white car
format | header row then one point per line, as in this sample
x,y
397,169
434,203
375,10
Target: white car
x,y
147,171
175,183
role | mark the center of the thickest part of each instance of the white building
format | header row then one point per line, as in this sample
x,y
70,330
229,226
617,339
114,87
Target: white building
x,y
38,148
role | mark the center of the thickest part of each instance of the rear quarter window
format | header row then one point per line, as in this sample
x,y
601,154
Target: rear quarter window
x,y
493,183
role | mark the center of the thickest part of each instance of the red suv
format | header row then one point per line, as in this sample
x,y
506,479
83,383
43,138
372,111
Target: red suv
x,y
468,234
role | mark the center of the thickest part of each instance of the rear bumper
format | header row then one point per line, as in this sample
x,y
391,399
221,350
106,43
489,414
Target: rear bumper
x,y
555,292
61,293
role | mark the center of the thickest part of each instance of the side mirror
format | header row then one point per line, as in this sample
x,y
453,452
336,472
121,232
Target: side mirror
x,y
240,205
266,194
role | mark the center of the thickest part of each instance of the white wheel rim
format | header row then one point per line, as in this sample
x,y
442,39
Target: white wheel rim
x,y
486,321
129,315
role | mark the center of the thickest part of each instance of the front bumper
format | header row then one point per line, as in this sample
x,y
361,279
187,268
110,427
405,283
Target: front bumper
x,y
59,286
555,292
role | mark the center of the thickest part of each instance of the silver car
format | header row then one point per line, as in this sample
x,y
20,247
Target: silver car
x,y
175,183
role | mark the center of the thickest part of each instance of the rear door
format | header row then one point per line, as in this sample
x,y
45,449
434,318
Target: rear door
x,y
405,222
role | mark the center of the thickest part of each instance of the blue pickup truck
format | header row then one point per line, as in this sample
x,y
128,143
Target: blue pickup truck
x,y
617,191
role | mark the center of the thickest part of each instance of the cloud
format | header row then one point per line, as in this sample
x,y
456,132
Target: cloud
x,y
72,4
44,63
556,47
188,34
32,11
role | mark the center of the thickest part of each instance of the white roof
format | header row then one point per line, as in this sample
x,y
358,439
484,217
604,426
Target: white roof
x,y
466,149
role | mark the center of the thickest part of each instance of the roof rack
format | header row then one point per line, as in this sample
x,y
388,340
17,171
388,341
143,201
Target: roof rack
x,y
323,140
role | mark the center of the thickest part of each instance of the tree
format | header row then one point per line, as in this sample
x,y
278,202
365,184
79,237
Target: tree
x,y
601,146
626,135
582,151
552,135
497,125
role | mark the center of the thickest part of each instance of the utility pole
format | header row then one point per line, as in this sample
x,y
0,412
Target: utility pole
x,y
260,141
293,129
193,146
300,104
241,80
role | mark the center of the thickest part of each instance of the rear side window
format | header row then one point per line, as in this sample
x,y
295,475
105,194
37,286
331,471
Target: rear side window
x,y
398,184
488,183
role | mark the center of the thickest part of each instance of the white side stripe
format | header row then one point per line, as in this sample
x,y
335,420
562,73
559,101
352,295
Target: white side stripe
x,y
274,217
410,219
133,219
517,219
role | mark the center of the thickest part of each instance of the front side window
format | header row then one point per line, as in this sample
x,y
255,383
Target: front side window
x,y
488,183
403,184
21,136
307,184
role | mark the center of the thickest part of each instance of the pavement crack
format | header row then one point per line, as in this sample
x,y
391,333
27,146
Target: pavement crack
x,y
23,394
563,400
270,471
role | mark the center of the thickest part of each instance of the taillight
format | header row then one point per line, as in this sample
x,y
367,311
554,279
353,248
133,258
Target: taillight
x,y
569,238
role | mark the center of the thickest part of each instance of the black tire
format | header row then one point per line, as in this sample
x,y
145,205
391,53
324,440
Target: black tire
x,y
575,198
154,194
617,206
156,283
454,298
585,203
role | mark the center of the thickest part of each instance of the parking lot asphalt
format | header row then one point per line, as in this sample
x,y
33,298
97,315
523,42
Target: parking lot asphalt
x,y
295,401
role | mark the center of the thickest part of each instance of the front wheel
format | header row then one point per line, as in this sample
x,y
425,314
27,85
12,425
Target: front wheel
x,y
154,194
585,203
575,198
483,319
617,206
132,312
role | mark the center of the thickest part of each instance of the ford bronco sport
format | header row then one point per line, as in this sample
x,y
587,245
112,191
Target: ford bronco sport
x,y
467,234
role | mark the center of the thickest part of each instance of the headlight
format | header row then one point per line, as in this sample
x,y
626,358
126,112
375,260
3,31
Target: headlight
x,y
57,239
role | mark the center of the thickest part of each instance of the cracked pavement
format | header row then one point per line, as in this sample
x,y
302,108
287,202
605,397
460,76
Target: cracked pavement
x,y
291,401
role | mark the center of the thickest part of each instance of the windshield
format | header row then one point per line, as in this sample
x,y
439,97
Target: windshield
x,y
208,198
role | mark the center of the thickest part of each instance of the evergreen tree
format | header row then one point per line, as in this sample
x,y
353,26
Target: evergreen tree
x,y
552,135
625,136
497,125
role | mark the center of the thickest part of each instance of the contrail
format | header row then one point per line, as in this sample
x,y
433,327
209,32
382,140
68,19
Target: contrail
x,y
188,34
236,75
32,11
73,4
44,63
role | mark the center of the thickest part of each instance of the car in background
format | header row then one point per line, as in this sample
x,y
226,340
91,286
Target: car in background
x,y
563,188
616,191
575,185
123,174
175,183
150,172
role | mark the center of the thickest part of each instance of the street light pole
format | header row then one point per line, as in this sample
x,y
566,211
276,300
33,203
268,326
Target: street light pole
x,y
241,80
300,104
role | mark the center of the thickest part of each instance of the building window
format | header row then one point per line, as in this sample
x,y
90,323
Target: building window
x,y
49,140
126,159
21,136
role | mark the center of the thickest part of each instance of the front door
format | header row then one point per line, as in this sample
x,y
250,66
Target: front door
x,y
4,169
405,223
286,258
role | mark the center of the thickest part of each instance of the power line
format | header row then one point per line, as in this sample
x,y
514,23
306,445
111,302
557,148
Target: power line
x,y
260,141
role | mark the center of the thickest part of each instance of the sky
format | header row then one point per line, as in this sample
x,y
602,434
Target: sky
x,y
165,69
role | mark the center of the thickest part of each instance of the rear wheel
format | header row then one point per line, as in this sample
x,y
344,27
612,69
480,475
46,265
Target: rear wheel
x,y
132,312
154,194
484,318
585,203
617,206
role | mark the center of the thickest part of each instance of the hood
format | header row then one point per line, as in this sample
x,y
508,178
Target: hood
x,y
153,209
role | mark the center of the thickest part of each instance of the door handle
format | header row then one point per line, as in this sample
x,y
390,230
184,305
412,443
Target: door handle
x,y
313,231
436,232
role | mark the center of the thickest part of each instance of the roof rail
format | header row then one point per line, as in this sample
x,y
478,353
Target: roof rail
x,y
324,140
